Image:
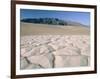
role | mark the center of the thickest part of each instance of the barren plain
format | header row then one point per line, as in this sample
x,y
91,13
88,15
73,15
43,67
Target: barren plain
x,y
54,46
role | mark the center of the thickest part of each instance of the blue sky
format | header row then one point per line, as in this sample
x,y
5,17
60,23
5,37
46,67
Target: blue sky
x,y
80,17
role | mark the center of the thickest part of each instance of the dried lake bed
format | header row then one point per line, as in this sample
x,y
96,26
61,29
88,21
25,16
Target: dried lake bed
x,y
54,51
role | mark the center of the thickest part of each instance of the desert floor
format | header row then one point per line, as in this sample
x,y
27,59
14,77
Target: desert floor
x,y
49,46
43,29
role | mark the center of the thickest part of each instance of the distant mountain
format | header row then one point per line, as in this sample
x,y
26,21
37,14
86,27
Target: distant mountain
x,y
52,21
71,23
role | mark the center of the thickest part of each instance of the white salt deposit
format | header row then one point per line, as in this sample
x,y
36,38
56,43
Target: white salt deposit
x,y
50,51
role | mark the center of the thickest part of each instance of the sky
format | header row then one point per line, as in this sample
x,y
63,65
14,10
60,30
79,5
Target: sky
x,y
80,17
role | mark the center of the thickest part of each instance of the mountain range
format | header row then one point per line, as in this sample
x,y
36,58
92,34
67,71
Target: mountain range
x,y
51,21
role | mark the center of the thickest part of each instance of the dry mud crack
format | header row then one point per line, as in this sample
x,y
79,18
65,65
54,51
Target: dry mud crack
x,y
52,51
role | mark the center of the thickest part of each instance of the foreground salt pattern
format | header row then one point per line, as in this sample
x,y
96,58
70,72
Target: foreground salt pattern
x,y
52,51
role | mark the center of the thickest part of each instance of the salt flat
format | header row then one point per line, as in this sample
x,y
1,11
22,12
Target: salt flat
x,y
44,29
52,51
54,46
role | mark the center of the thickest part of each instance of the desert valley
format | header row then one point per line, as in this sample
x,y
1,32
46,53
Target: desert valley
x,y
54,46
